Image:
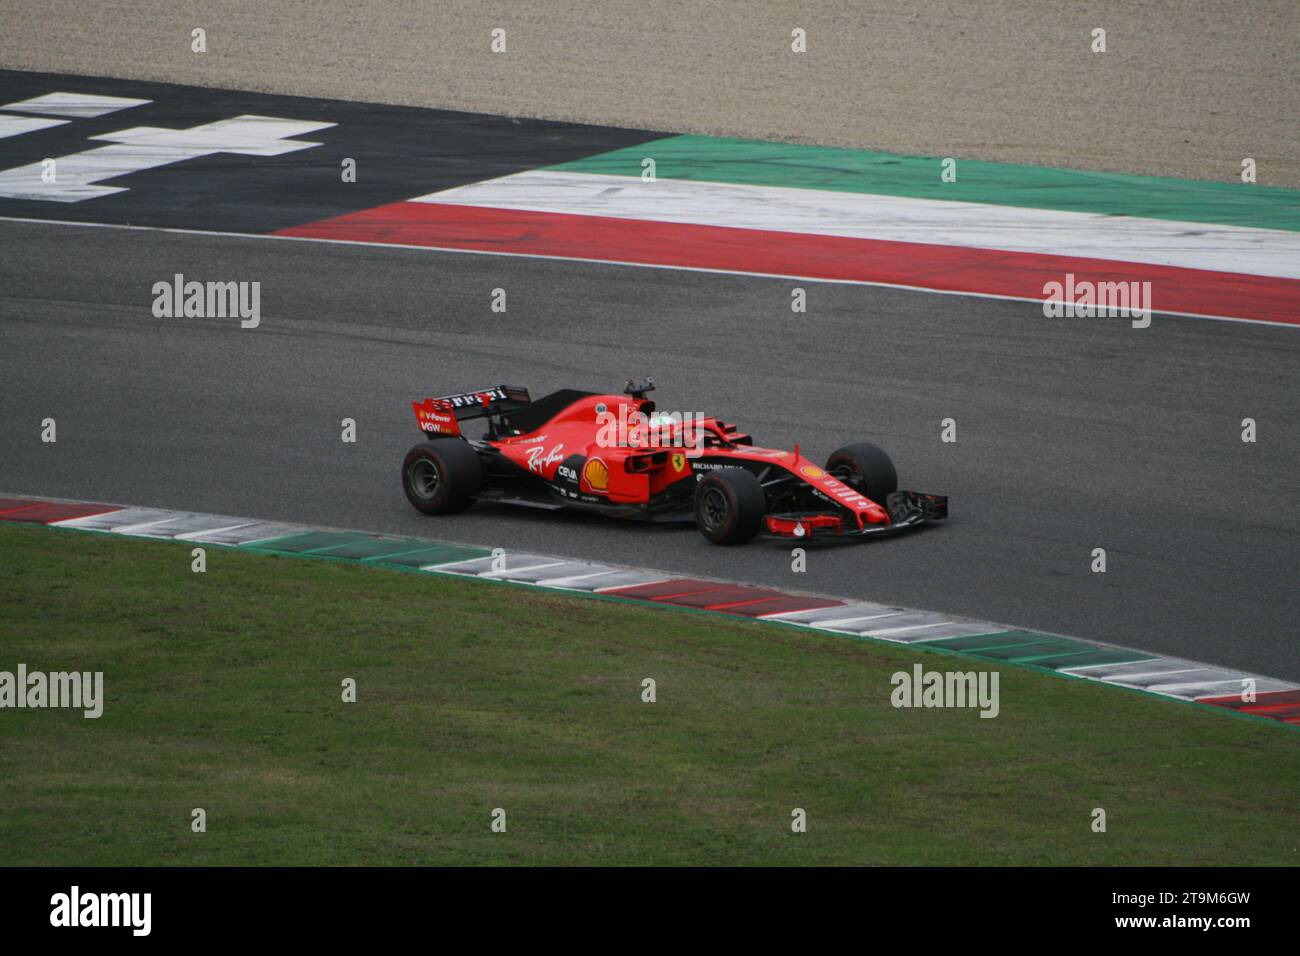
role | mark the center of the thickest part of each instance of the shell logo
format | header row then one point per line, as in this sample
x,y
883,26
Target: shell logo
x,y
812,471
596,475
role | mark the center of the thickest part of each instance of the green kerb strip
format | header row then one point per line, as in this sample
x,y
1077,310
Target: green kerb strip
x,y
755,163
437,554
1040,650
307,541
372,548
356,545
987,642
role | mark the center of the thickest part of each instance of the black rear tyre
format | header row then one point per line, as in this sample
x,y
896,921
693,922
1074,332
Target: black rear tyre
x,y
729,506
442,476
866,469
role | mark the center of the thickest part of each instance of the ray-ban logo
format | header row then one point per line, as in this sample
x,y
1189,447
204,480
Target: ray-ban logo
x,y
79,690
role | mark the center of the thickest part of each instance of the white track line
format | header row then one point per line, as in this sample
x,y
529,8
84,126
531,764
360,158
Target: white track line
x,y
505,574
611,262
900,630
191,535
841,622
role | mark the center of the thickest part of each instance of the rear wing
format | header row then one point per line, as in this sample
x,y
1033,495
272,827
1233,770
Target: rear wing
x,y
443,415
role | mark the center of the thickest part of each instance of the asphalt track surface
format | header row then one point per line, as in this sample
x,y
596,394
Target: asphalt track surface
x,y
1072,434
398,152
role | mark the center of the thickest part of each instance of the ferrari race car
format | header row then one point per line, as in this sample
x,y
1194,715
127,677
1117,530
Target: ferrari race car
x,y
617,456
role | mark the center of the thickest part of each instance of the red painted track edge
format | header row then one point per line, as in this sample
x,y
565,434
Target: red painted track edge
x,y
914,265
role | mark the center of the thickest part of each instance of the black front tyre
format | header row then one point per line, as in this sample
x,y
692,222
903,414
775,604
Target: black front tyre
x,y
442,476
729,506
866,469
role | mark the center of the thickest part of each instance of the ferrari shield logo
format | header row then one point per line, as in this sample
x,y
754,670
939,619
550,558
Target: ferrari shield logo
x,y
679,463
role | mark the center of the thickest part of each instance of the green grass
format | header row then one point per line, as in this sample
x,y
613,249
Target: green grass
x,y
223,692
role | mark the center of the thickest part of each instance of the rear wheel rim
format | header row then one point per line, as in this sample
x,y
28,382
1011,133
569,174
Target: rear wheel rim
x,y
713,508
424,478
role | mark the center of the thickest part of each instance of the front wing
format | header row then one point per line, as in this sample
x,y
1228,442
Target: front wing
x,y
907,509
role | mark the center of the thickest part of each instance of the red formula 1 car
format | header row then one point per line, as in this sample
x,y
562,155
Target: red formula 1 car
x,y
618,456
